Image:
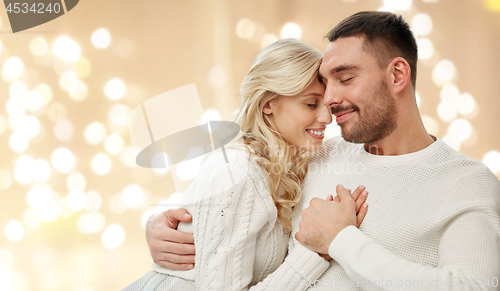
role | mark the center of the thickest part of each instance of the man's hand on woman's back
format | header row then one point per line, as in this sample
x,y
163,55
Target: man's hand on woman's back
x,y
169,247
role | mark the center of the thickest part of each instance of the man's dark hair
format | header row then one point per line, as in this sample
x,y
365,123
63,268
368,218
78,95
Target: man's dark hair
x,y
386,36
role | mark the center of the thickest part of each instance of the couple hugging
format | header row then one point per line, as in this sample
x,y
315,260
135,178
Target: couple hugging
x,y
297,216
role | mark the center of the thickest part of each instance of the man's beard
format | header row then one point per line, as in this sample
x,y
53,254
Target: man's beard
x,y
376,121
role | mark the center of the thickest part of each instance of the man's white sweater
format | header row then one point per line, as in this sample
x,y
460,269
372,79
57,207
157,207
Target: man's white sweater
x,y
433,220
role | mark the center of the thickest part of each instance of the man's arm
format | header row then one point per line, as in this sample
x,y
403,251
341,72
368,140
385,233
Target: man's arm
x,y
169,247
469,248
175,250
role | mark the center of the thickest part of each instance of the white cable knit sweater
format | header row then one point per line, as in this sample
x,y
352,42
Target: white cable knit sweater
x,y
433,219
238,239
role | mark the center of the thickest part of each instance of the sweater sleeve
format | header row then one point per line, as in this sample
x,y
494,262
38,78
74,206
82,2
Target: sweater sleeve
x,y
469,249
227,218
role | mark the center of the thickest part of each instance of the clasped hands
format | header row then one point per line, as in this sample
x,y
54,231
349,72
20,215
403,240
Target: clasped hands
x,y
321,222
324,219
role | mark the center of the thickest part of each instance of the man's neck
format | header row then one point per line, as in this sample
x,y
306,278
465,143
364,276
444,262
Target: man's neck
x,y
403,140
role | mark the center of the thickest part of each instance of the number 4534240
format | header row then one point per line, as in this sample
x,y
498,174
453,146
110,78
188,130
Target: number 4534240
x,y
35,8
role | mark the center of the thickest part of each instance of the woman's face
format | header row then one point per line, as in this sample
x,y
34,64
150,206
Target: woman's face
x,y
302,118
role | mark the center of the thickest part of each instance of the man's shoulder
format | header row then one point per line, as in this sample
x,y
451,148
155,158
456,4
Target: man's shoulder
x,y
450,158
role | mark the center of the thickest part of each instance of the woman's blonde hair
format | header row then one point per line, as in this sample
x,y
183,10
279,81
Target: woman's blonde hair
x,y
284,68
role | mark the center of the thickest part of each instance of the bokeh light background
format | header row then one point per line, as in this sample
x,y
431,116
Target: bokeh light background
x,y
73,203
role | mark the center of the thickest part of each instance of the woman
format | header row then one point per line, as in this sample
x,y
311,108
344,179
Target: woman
x,y
241,210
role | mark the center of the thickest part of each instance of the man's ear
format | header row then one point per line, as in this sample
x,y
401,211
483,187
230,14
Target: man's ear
x,y
400,74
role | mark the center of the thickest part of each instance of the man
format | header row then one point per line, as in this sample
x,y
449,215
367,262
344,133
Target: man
x,y
434,218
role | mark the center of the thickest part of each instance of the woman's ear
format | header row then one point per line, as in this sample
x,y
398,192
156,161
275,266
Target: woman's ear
x,y
268,108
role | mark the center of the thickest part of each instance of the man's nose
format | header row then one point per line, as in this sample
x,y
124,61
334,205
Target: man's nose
x,y
333,96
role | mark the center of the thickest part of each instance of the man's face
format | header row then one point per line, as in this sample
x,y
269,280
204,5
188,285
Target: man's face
x,y
357,91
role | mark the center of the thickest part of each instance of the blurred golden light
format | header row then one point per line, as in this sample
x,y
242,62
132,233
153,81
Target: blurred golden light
x,y
113,236
63,160
63,130
116,204
443,72
421,24
78,90
268,39
465,104
46,92
425,48
446,110
114,144
53,279
56,111
48,211
398,4
217,77
431,1
91,223
23,169
34,101
245,28
66,49
492,5
64,209
1,46
76,200
76,181
14,122
18,142
461,129
21,280
291,30
31,218
492,160
15,107
85,288
101,38
29,126
39,46
5,278
67,79
101,164
12,69
82,68
385,9
118,114
94,201
133,195
40,194
449,92
95,133
18,89
3,124
5,180
115,89
14,230
6,257
127,157
42,170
